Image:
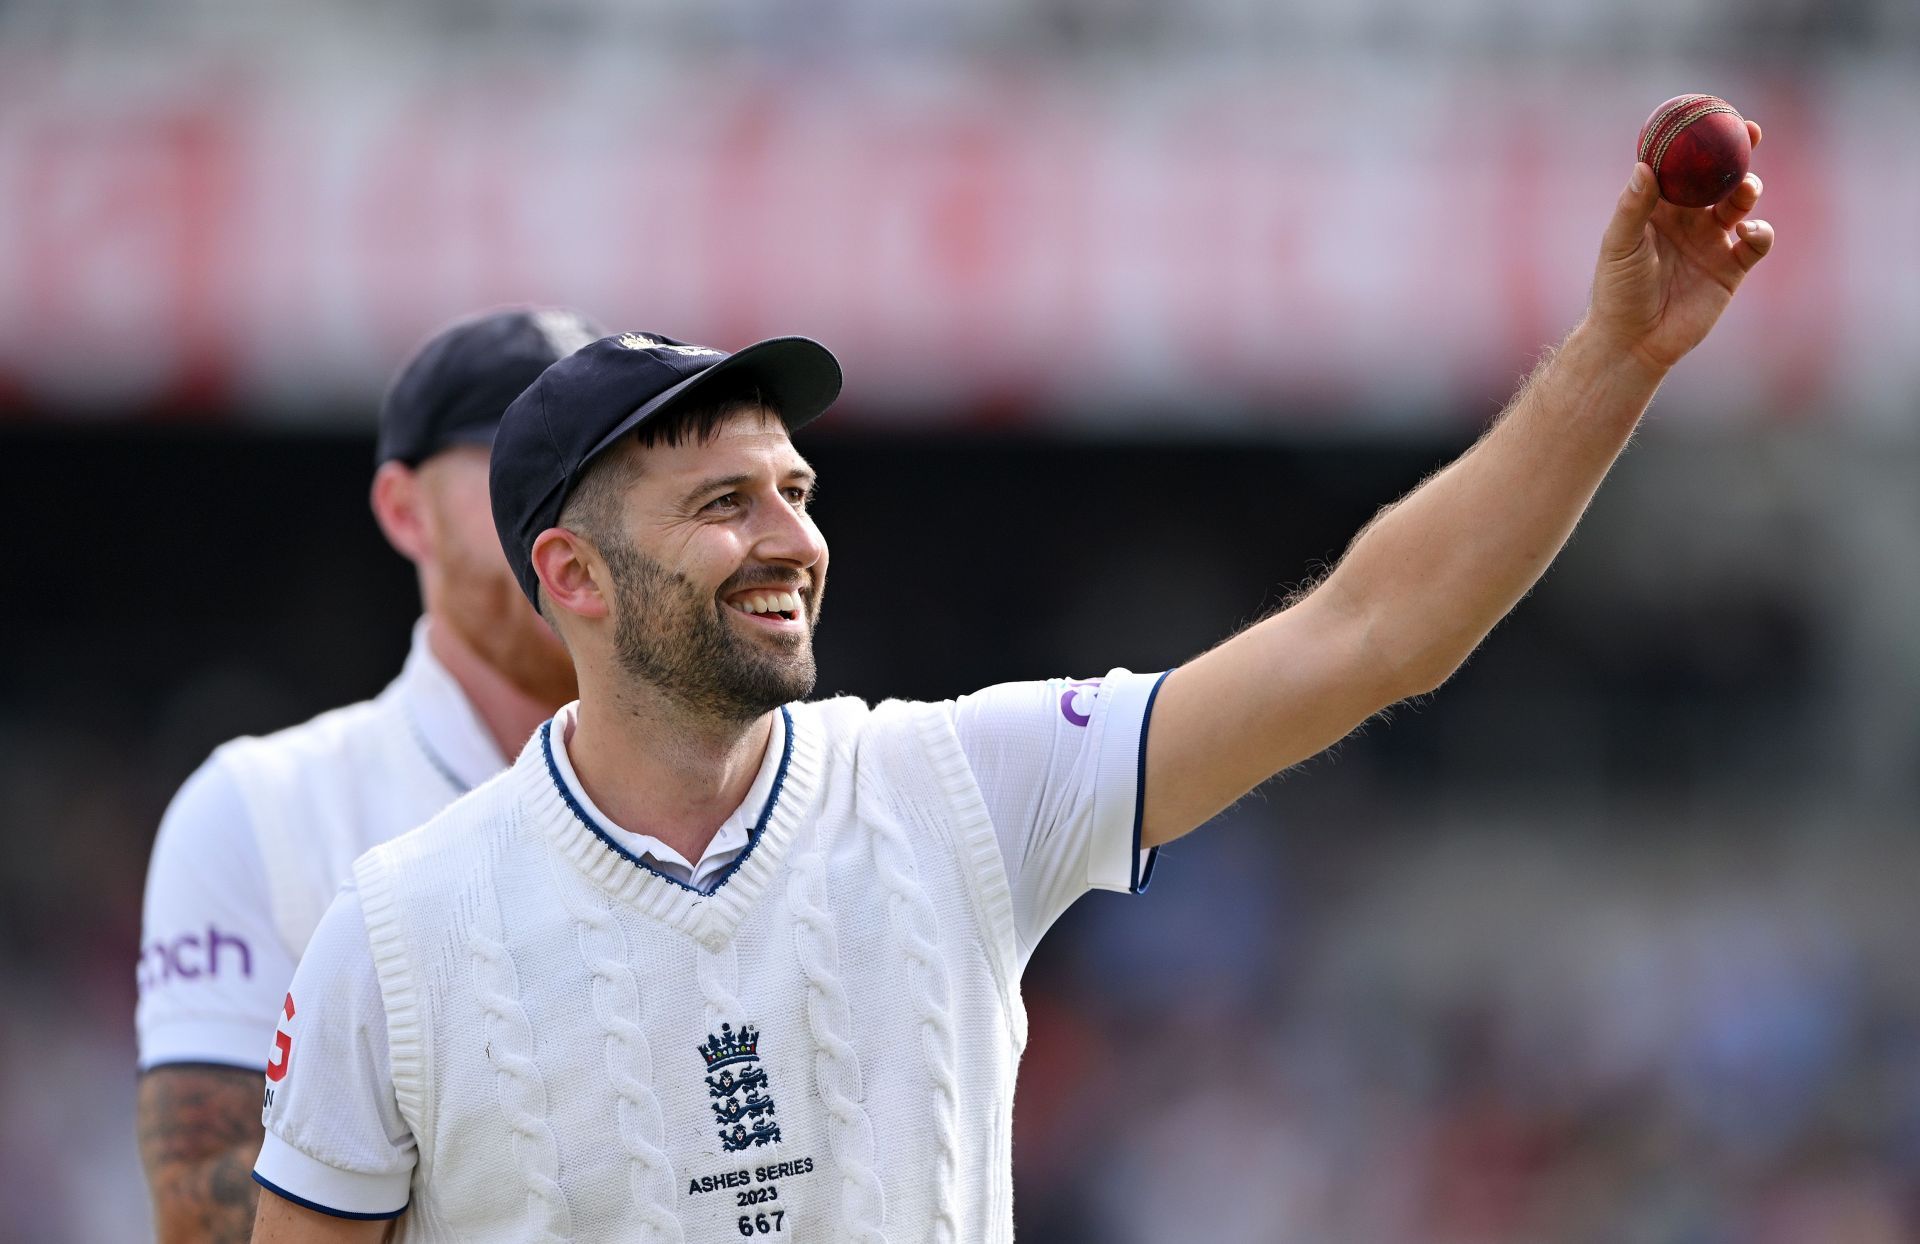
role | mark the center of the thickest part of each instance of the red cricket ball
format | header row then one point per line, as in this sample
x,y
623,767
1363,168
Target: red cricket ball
x,y
1698,147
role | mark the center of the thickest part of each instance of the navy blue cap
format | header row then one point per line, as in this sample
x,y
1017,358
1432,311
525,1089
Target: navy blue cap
x,y
587,401
454,388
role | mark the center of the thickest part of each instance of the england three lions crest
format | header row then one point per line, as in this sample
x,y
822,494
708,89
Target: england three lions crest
x,y
741,1104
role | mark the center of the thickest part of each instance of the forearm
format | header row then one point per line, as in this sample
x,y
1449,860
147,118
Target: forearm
x,y
1428,578
199,1130
208,1202
1433,574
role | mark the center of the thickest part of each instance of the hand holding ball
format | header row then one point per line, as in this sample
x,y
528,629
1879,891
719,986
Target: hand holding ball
x,y
1698,147
1667,270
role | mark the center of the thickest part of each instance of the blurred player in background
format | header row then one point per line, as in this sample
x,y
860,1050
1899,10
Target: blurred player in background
x,y
534,1019
257,841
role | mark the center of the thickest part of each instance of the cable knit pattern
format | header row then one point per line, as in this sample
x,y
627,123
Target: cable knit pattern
x,y
521,1089
975,837
836,1064
911,919
629,1056
716,966
865,939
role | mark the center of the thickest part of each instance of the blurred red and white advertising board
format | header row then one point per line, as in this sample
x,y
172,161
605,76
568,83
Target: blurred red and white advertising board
x,y
1288,253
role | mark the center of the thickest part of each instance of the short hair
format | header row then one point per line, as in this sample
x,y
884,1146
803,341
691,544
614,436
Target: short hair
x,y
698,420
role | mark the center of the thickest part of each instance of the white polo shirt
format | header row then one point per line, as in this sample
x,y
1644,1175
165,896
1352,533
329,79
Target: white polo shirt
x,y
245,861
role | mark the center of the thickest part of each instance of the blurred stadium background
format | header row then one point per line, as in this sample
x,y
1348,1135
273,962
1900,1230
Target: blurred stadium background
x,y
1145,308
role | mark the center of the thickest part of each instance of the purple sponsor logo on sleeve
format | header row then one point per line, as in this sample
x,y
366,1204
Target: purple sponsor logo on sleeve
x,y
191,956
1074,688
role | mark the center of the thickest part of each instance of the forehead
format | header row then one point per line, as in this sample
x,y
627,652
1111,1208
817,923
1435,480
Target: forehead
x,y
751,440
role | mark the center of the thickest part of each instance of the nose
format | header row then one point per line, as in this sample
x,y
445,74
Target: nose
x,y
788,534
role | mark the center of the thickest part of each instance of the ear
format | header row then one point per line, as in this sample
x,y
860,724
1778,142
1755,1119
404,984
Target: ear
x,y
571,573
400,509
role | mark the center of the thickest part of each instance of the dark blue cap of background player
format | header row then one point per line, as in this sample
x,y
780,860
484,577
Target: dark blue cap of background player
x,y
454,388
587,401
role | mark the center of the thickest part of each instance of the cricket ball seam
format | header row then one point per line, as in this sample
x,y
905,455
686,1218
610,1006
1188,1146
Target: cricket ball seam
x,y
1713,108
1652,130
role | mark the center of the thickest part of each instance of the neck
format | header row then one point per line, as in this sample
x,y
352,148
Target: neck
x,y
657,769
509,715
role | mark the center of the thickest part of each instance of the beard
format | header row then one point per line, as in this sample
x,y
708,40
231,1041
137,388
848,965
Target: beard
x,y
483,603
677,639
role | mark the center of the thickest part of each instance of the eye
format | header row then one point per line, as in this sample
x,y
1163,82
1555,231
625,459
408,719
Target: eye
x,y
725,503
799,494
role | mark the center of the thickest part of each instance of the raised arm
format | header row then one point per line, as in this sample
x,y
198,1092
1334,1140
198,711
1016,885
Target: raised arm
x,y
1431,575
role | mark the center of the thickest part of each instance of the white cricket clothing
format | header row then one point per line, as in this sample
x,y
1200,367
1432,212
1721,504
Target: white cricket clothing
x,y
512,1028
259,840
728,841
1004,731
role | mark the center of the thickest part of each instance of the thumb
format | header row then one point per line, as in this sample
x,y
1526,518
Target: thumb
x,y
1630,215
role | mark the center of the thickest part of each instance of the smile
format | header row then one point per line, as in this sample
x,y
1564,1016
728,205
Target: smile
x,y
771,608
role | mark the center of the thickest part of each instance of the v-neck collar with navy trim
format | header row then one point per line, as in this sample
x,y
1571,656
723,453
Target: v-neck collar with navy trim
x,y
599,829
614,868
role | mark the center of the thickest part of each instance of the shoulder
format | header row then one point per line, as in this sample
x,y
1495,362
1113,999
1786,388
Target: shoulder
x,y
853,731
837,726
206,847
495,807
339,953
329,739
209,805
838,717
217,794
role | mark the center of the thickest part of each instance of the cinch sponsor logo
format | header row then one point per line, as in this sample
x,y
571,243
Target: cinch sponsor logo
x,y
192,955
1069,700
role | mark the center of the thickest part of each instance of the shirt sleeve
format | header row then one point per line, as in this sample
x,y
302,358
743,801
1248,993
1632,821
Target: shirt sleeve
x,y
336,1141
212,966
1061,765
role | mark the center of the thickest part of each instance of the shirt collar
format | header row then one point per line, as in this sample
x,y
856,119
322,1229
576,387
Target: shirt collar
x,y
443,720
734,832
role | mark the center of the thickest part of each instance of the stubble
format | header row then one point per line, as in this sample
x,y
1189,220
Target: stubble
x,y
674,637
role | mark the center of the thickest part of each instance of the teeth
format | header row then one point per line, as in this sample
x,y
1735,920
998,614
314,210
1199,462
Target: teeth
x,y
777,602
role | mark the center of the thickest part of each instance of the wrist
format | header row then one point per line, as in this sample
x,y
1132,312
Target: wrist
x,y
1612,358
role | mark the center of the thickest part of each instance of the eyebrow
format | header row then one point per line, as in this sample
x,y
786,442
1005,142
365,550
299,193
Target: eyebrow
x,y
727,483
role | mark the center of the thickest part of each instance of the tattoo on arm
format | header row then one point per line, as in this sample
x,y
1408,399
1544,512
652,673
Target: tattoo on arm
x,y
199,1130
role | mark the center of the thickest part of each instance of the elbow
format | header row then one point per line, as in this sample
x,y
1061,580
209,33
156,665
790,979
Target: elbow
x,y
1397,652
1428,676
1398,680
1405,669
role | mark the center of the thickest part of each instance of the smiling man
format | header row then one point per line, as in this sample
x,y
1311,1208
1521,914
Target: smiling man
x,y
711,961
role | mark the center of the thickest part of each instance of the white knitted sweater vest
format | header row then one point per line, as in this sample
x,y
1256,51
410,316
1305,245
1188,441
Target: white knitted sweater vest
x,y
824,1048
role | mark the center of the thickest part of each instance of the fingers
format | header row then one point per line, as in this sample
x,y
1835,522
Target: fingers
x,y
1630,215
1733,209
1755,240
1752,238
